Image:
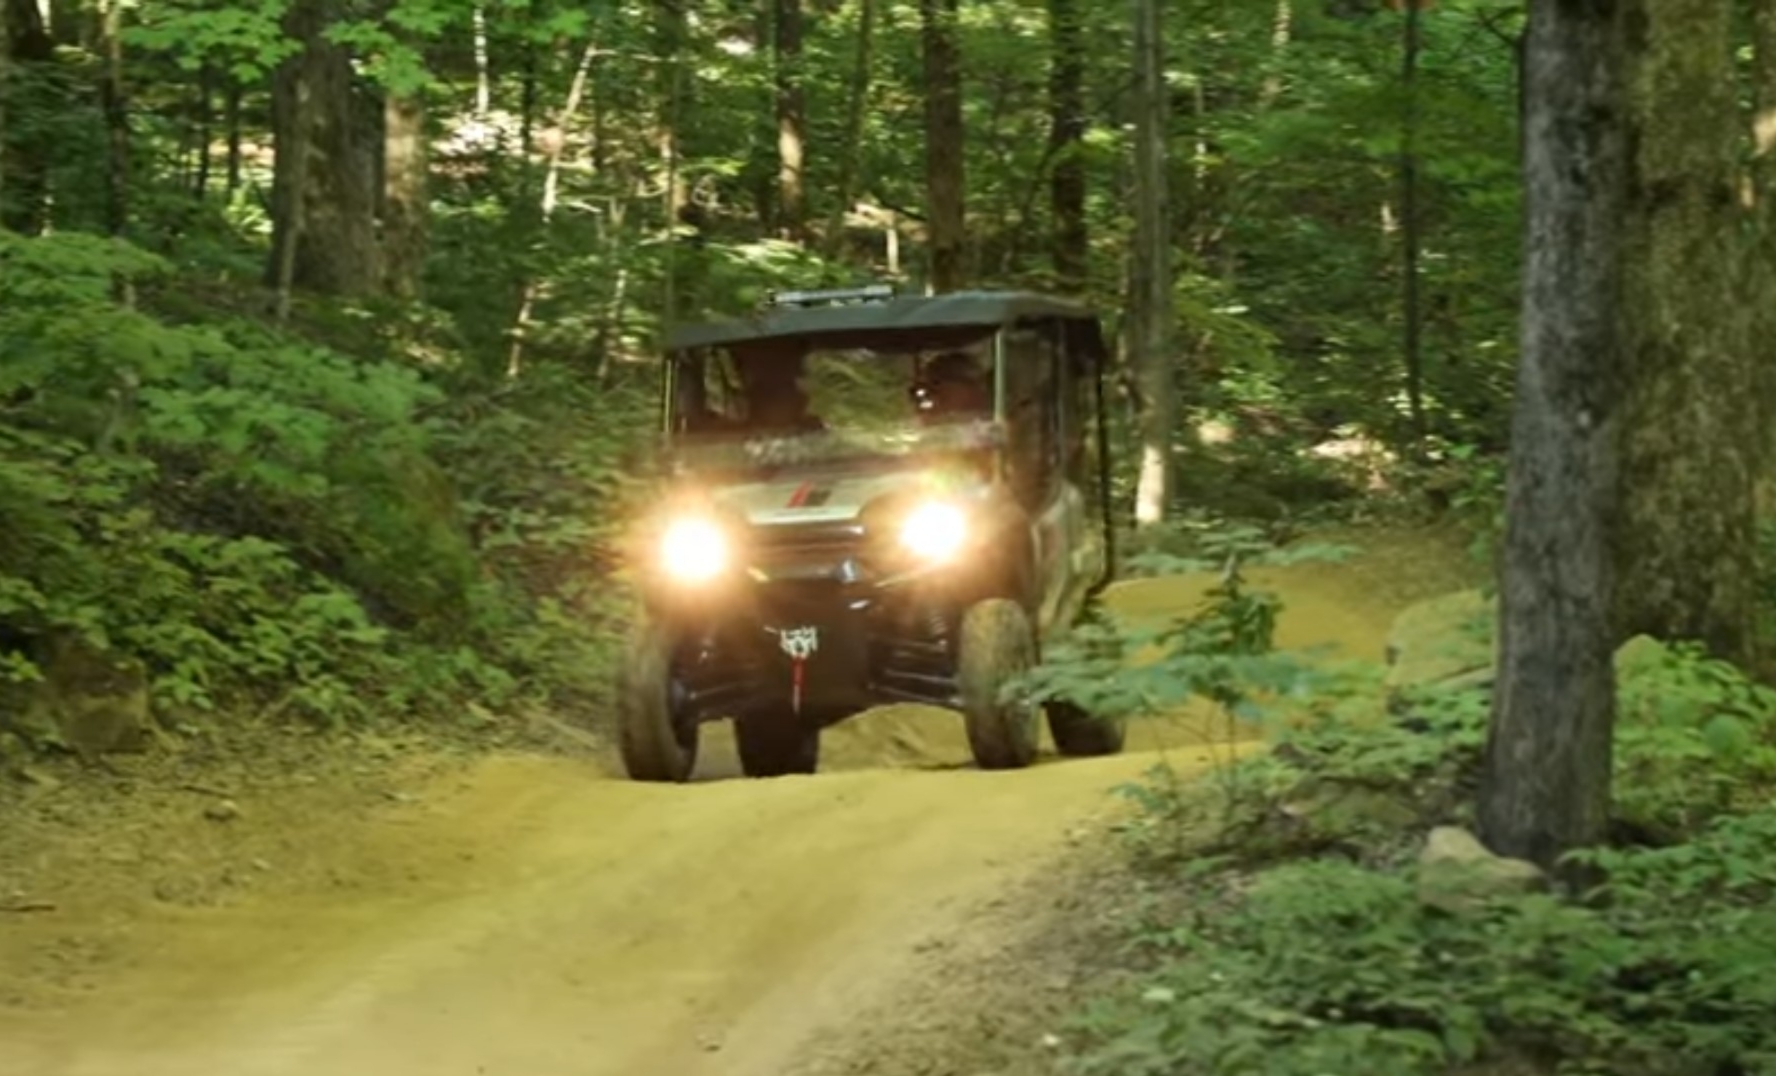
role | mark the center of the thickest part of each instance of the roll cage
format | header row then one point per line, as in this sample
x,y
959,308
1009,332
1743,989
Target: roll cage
x,y
875,315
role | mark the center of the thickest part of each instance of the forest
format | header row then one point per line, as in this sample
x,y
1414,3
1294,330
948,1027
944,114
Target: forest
x,y
329,367
384,428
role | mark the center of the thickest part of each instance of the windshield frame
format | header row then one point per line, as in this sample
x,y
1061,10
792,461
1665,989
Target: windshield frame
x,y
748,456
672,402
767,455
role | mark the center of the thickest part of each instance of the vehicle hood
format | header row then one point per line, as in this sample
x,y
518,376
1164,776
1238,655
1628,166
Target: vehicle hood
x,y
835,497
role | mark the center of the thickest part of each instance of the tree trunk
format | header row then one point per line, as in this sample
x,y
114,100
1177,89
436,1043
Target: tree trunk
x,y
609,339
1066,137
670,33
5,85
551,197
115,104
1690,455
293,222
1760,278
527,102
335,247
233,119
206,122
676,65
857,108
945,190
1545,788
405,206
1411,239
483,80
26,208
792,212
600,91
1151,302
1282,28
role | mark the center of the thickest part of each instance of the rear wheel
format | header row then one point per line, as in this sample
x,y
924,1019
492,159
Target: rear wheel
x,y
1078,733
776,744
655,740
997,643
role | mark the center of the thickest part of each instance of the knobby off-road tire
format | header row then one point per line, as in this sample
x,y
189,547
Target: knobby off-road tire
x,y
654,745
1079,734
775,745
997,643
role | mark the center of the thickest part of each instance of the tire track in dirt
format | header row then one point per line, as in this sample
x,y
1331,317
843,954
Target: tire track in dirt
x,y
563,922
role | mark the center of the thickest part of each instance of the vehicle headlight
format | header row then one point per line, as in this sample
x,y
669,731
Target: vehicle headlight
x,y
934,531
693,550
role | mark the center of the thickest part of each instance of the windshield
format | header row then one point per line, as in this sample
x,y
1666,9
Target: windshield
x,y
793,400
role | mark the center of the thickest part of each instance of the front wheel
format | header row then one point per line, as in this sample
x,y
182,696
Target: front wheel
x,y
997,644
655,740
776,745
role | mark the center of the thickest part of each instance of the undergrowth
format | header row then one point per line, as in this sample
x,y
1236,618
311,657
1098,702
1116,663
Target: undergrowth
x,y
1285,930
264,524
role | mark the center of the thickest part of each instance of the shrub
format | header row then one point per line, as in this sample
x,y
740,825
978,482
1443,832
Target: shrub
x,y
1296,940
270,523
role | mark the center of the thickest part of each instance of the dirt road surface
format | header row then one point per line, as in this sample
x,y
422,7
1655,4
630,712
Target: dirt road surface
x,y
527,915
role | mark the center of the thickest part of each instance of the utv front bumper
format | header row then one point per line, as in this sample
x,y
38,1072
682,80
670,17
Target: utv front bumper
x,y
811,621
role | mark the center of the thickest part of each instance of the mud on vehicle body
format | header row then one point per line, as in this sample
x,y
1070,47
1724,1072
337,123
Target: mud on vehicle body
x,y
868,499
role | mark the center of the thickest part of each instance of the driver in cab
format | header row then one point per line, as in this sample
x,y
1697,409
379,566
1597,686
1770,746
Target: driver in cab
x,y
775,400
952,389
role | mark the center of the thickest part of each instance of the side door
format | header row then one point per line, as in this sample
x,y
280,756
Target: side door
x,y
1036,413
1082,357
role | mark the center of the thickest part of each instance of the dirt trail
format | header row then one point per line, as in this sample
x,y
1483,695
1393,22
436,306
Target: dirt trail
x,y
535,917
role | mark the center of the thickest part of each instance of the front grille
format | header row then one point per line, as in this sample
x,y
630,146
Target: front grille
x,y
808,551
801,602
819,537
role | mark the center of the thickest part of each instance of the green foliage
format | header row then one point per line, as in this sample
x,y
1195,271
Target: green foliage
x,y
1329,960
1222,651
1328,966
245,39
1696,739
187,484
1286,151
545,477
262,519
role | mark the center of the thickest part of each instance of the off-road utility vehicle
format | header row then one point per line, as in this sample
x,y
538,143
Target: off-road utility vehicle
x,y
868,499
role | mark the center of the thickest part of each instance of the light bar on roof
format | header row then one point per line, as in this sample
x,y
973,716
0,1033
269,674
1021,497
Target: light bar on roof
x,y
872,292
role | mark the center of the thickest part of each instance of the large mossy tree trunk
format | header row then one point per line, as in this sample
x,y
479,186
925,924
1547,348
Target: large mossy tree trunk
x,y
328,132
1545,788
1691,434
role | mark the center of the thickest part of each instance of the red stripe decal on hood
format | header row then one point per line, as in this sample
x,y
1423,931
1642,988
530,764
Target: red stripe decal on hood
x,y
800,497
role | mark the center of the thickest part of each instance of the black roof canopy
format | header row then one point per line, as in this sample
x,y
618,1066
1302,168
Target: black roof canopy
x,y
910,313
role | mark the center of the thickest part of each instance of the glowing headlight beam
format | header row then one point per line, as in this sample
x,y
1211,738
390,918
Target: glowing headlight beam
x,y
693,550
934,531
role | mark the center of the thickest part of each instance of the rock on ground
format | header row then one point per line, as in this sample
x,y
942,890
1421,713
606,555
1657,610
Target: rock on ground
x,y
1446,641
1456,872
